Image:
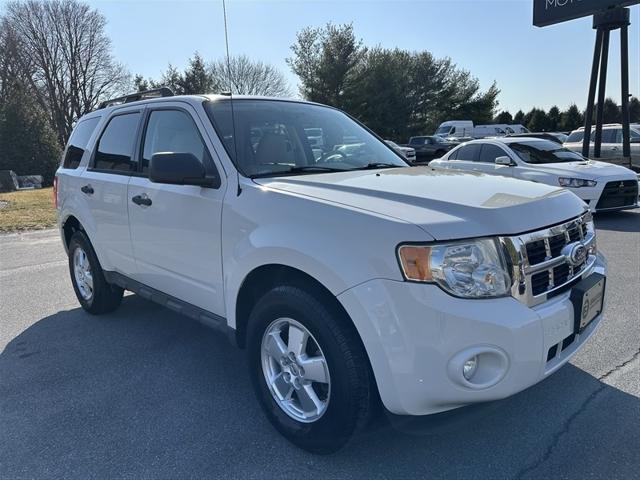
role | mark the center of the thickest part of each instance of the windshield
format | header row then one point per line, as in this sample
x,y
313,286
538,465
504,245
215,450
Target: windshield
x,y
443,130
392,144
278,137
544,151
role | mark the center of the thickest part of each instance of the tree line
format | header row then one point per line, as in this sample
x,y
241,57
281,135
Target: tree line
x,y
538,120
57,64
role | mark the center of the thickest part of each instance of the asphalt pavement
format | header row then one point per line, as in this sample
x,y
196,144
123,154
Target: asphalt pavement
x,y
145,393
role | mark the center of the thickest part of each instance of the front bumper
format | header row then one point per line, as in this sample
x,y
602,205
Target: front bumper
x,y
416,335
592,195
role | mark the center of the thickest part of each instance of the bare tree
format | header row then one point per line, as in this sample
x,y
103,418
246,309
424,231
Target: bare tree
x,y
244,76
64,45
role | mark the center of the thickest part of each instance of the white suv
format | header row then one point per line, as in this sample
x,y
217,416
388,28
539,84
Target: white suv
x,y
347,276
611,147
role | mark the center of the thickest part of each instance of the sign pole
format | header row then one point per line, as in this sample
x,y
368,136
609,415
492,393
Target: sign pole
x,y
588,115
624,74
602,85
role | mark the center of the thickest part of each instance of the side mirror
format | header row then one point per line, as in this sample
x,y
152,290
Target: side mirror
x,y
504,161
180,169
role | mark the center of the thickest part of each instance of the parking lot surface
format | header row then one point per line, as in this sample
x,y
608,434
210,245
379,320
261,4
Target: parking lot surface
x,y
146,393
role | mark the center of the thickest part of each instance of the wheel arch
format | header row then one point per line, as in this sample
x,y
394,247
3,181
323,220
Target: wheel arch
x,y
265,277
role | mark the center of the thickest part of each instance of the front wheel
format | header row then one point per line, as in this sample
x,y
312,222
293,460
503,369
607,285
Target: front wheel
x,y
94,293
309,369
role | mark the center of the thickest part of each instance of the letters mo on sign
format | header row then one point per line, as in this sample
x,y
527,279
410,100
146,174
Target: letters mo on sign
x,y
549,12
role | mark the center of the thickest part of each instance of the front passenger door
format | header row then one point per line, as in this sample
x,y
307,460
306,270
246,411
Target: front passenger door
x,y
176,230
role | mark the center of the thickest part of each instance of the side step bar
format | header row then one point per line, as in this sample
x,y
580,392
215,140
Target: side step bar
x,y
205,317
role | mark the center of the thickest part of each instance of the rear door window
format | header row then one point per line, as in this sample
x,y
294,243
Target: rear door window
x,y
114,153
575,137
470,153
609,135
489,153
78,141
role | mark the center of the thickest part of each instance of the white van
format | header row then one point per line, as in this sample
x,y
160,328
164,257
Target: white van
x,y
483,131
455,128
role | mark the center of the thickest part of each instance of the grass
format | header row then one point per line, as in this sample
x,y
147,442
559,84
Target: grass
x,y
27,210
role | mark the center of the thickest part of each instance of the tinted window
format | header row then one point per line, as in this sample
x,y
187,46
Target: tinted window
x,y
609,135
575,136
172,131
115,147
269,138
469,152
453,155
489,153
78,142
416,141
544,151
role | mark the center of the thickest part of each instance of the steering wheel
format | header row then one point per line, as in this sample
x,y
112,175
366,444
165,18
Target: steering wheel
x,y
332,157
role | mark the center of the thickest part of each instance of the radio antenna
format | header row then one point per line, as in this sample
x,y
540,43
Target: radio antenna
x,y
233,116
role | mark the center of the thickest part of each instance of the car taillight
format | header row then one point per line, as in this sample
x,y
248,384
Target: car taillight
x,y
55,192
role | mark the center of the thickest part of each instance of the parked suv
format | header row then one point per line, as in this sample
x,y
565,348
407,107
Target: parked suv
x,y
611,147
348,277
429,147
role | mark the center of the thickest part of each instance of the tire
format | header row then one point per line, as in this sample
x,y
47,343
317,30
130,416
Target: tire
x,y
101,297
349,394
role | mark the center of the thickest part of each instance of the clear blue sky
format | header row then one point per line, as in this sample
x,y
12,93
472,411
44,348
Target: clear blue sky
x,y
493,39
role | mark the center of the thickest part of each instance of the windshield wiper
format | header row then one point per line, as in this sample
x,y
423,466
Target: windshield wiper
x,y
374,165
300,169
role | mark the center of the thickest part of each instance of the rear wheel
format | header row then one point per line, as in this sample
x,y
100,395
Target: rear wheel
x,y
92,290
309,369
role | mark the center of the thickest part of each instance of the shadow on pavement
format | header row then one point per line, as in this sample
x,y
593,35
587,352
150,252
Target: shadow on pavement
x,y
145,393
624,221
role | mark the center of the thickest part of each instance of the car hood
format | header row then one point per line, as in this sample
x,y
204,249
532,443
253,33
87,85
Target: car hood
x,y
445,204
588,170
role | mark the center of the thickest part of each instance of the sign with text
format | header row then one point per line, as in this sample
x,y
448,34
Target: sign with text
x,y
549,12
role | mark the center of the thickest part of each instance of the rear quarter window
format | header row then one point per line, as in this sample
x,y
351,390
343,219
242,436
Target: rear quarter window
x,y
78,141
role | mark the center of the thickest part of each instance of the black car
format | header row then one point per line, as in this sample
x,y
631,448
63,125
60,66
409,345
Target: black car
x,y
429,147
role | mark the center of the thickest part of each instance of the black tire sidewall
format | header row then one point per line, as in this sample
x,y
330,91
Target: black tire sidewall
x,y
106,297
79,240
338,423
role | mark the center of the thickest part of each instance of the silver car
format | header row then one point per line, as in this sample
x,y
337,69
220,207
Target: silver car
x,y
611,143
407,152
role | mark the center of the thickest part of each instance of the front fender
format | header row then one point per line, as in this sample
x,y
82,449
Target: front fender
x,y
338,246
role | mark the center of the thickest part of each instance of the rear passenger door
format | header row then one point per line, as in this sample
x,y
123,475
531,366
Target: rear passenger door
x,y
177,236
465,157
104,187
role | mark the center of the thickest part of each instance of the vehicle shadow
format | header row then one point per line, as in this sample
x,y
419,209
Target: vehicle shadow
x,y
146,393
623,221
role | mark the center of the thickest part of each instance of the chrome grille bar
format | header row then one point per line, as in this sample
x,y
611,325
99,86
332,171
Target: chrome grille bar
x,y
516,247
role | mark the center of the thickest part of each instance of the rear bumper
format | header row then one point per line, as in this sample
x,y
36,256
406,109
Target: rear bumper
x,y
417,338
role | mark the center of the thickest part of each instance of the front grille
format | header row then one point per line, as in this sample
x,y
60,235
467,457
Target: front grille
x,y
541,259
618,194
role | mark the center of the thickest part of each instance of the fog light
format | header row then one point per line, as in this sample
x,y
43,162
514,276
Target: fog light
x,y
469,368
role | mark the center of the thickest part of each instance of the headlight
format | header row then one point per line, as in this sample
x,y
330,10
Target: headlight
x,y
470,269
576,182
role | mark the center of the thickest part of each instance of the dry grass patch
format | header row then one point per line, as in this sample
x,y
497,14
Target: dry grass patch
x,y
27,210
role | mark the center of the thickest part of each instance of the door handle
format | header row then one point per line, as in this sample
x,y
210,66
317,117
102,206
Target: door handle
x,y
142,200
88,189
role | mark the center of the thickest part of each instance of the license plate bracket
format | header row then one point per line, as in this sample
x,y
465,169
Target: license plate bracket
x,y
588,299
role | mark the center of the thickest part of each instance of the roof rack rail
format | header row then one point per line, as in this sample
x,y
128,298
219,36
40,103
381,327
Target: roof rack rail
x,y
134,97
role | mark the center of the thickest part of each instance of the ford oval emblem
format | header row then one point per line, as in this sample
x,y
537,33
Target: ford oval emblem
x,y
576,253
